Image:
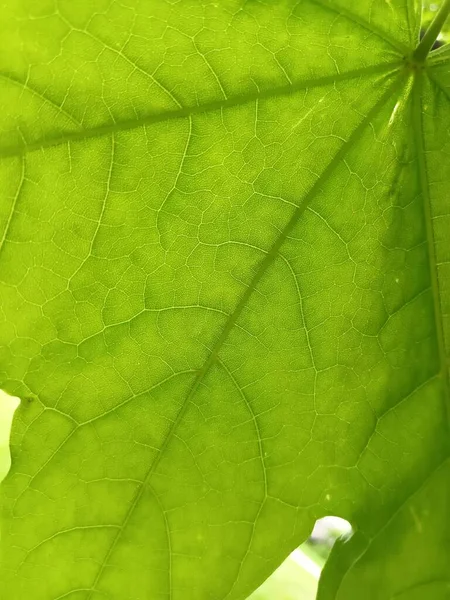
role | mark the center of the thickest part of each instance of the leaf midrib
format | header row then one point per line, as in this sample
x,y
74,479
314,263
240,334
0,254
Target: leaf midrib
x,y
170,115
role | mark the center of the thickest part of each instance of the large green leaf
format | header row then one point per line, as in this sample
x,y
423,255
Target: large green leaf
x,y
225,296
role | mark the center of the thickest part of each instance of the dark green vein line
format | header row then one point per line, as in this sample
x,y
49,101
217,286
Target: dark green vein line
x,y
110,128
418,136
350,16
260,271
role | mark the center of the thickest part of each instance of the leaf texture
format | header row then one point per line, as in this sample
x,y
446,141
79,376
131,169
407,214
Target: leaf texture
x,y
225,296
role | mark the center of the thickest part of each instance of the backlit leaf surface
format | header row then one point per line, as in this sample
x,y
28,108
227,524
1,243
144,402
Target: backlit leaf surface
x,y
225,296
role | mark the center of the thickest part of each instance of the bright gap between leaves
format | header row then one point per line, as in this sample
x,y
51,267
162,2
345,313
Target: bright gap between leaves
x,y
8,405
297,578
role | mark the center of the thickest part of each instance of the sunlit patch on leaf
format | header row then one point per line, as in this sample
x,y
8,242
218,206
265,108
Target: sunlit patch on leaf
x,y
8,405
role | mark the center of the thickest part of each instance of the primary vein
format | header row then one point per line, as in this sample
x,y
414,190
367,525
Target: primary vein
x,y
126,125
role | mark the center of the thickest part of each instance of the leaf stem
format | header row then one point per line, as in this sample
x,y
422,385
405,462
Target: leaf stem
x,y
431,34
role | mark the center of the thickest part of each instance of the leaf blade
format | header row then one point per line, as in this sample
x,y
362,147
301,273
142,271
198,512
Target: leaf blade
x,y
143,233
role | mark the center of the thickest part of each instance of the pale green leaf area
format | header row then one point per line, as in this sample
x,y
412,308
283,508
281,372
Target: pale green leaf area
x,y
288,582
224,297
7,407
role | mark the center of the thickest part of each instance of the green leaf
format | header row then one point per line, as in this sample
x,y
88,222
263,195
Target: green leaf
x,y
225,296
